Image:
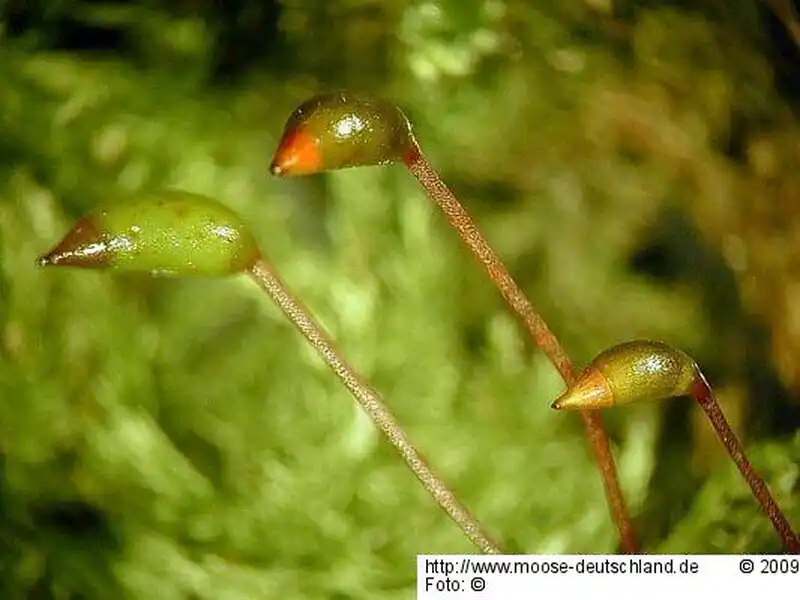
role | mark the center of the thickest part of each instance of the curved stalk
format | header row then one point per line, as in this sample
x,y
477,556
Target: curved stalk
x,y
458,217
341,130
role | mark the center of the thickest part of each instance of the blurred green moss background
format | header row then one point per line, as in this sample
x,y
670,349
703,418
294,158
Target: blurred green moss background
x,y
637,164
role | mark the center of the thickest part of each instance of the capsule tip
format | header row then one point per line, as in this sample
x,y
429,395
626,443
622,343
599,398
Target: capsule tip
x,y
592,391
298,153
83,246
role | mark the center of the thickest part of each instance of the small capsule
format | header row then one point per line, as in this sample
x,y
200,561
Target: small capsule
x,y
636,371
340,130
165,232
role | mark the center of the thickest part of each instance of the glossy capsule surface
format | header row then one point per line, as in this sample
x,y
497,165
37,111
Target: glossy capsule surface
x,y
338,130
636,371
164,232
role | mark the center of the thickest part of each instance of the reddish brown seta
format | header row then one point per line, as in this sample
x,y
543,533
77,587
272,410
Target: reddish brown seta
x,y
298,154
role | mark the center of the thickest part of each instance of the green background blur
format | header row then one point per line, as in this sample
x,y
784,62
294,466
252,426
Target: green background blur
x,y
636,163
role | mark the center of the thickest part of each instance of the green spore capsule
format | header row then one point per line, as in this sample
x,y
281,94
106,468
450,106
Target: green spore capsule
x,y
339,130
632,372
166,232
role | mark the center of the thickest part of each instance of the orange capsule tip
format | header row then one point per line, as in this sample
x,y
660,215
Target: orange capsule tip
x,y
298,153
592,391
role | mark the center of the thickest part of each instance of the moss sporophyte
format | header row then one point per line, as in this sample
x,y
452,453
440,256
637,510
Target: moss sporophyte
x,y
164,232
645,371
182,234
341,130
179,234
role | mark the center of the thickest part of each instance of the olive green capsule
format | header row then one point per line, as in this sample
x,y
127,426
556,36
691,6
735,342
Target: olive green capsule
x,y
339,130
164,232
636,371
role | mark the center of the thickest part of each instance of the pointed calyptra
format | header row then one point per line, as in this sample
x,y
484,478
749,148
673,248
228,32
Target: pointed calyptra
x,y
339,130
637,371
165,232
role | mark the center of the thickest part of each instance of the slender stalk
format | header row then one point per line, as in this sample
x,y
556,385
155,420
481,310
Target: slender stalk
x,y
786,12
704,396
269,281
460,220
